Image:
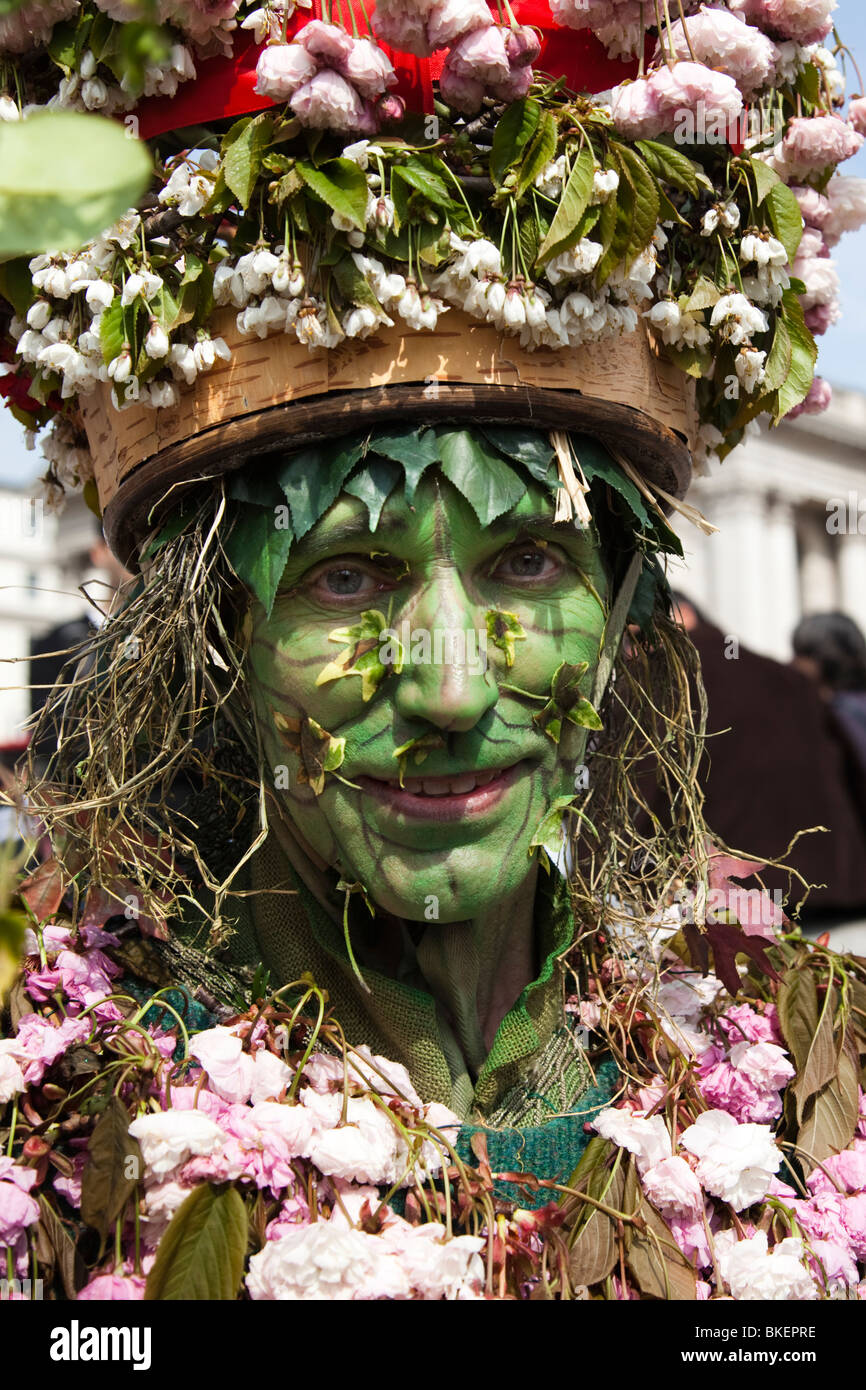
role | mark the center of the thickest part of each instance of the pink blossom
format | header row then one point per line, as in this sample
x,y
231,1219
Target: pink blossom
x,y
70,1187
480,55
38,1042
814,207
636,111
229,1068
647,1139
812,143
821,280
690,1235
451,19
282,69
462,93
403,29
41,984
18,1209
330,43
514,86
742,1022
673,1188
328,101
832,1262
854,1222
847,210
688,86
857,115
848,1168
723,40
818,320
86,979
819,399
803,21
368,69
113,1287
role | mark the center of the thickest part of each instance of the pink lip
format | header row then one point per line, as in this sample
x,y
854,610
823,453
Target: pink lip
x,y
444,808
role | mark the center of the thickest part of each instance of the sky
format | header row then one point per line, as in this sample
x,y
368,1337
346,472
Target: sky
x,y
842,357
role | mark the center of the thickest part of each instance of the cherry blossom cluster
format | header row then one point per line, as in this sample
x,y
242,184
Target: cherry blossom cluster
x,y
331,80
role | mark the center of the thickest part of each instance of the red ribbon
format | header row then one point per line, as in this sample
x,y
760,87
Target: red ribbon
x,y
226,86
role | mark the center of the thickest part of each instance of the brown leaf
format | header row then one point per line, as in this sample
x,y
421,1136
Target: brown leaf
x,y
594,1252
658,1266
726,940
18,1004
43,890
113,1167
816,1053
833,1113
54,1245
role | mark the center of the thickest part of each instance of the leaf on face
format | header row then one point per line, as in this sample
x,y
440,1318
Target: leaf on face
x,y
201,1255
312,480
257,551
362,657
373,485
416,450
489,484
527,447
320,753
503,630
566,701
113,1167
549,833
419,747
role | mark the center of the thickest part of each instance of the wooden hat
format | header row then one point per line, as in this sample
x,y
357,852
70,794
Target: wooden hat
x,y
277,395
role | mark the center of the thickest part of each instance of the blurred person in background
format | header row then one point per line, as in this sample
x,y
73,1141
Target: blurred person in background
x,y
776,766
830,649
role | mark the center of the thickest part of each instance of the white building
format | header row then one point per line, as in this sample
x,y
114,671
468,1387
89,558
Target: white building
x,y
791,512
43,560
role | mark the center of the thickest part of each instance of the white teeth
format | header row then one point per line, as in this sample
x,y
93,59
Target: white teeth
x,y
445,786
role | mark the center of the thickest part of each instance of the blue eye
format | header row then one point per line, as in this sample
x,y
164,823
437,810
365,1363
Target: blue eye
x,y
343,581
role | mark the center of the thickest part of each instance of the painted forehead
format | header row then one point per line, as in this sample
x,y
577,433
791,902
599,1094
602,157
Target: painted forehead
x,y
436,502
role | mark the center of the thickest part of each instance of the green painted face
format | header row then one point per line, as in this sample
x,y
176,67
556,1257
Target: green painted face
x,y
454,839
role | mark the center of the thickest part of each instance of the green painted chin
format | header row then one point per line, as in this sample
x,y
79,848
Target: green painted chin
x,y
480,772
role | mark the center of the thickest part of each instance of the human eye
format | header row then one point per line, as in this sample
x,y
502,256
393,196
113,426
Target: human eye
x,y
347,581
527,563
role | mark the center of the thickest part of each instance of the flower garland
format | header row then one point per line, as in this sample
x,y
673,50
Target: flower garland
x,y
119,1117
676,200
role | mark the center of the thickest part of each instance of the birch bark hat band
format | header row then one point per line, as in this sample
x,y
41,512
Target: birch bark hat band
x,y
274,393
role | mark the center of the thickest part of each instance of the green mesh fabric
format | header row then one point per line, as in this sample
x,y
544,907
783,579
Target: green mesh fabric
x,y
535,1068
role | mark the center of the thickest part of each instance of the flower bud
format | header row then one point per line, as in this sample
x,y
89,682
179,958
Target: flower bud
x,y
522,46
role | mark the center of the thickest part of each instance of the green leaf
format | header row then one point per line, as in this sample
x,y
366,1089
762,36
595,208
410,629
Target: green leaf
x,y
804,353
423,177
62,49
416,450
503,630
112,333
489,484
65,177
528,447
312,479
258,487
373,485
342,186
572,206
549,831
785,217
244,148
16,284
672,166
596,462
354,286
538,156
257,551
765,179
705,295
113,1167
646,202
201,1255
514,130
779,361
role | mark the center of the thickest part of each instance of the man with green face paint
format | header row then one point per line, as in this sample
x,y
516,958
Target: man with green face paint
x,y
419,689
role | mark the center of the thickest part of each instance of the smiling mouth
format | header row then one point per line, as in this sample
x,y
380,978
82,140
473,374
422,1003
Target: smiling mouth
x,y
445,798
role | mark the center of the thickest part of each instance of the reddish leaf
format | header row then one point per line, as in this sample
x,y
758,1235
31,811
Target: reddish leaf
x,y
726,940
43,890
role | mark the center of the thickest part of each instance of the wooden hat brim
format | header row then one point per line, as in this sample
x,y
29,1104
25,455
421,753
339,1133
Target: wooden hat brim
x,y
275,394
